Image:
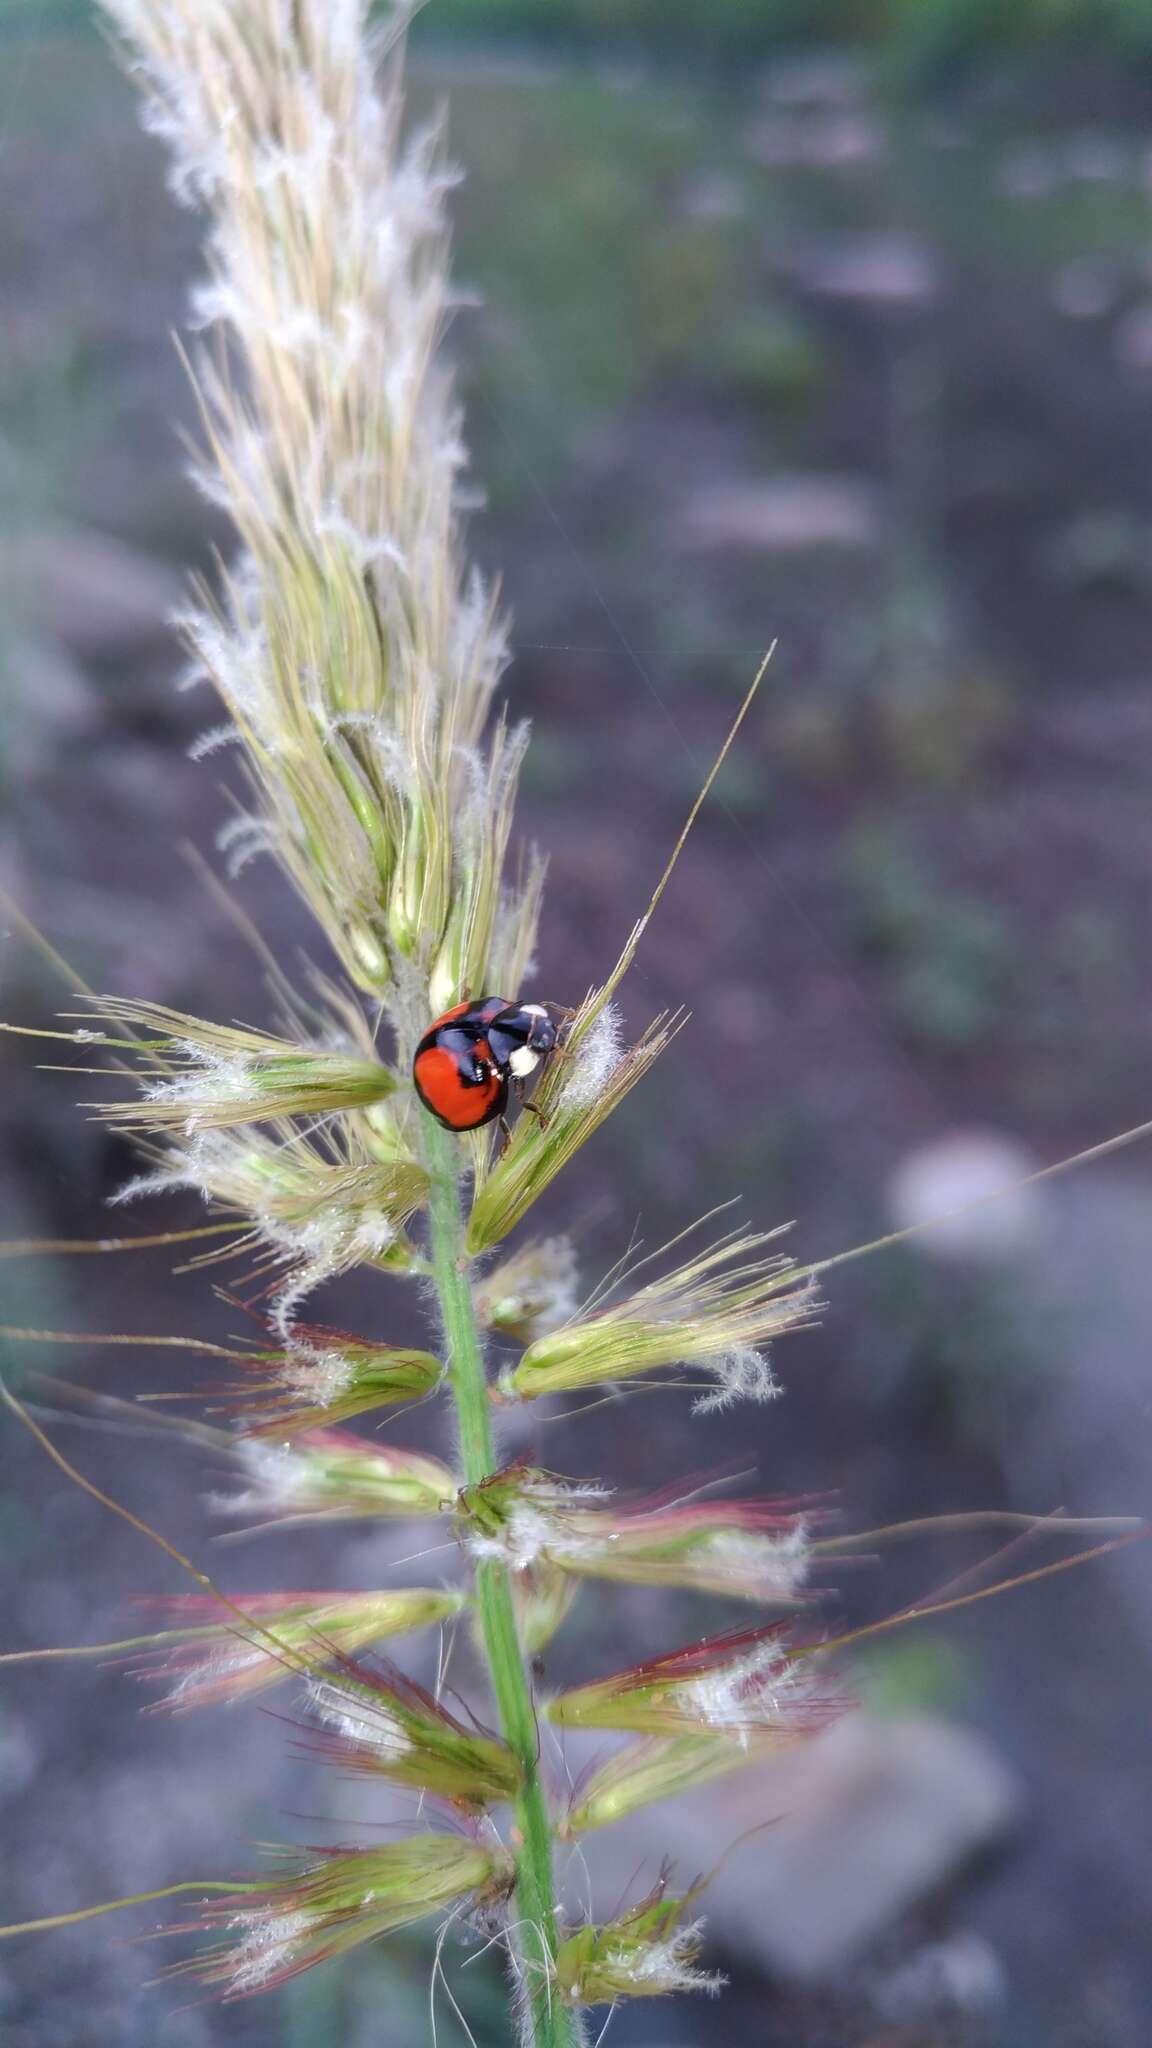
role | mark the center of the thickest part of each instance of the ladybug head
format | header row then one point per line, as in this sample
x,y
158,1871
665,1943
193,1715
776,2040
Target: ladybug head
x,y
520,1037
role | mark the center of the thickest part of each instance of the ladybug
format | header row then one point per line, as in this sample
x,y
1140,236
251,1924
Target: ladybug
x,y
470,1057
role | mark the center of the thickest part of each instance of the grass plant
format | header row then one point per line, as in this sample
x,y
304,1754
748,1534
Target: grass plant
x,y
356,659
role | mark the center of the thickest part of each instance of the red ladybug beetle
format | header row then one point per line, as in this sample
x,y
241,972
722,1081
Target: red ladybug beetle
x,y
470,1057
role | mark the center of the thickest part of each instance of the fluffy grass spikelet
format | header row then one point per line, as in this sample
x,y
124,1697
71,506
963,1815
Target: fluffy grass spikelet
x,y
384,1724
333,1902
746,1549
743,1684
318,1202
332,1475
646,1773
208,1662
197,1076
577,1094
713,1312
324,1377
647,1952
530,1293
543,1596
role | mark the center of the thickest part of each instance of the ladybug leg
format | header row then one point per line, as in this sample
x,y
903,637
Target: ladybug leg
x,y
533,1110
507,1136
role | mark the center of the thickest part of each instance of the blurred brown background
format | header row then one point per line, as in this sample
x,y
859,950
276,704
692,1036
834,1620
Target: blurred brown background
x,y
844,343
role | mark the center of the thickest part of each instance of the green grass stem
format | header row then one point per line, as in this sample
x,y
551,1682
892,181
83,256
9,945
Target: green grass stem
x,y
553,2025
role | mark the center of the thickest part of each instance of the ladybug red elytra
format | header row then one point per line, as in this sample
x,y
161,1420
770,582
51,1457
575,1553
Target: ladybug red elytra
x,y
470,1057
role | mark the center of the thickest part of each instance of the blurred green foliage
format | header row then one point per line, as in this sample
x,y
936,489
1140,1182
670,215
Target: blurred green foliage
x,y
1102,548
915,32
639,334
49,416
594,281
918,1674
952,1344
772,359
328,2007
914,35
948,954
36,1295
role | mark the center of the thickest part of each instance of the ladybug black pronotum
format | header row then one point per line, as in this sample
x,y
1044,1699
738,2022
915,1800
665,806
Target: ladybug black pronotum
x,y
470,1057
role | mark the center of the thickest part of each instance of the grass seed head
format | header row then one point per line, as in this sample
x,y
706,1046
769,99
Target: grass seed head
x,y
356,658
355,654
